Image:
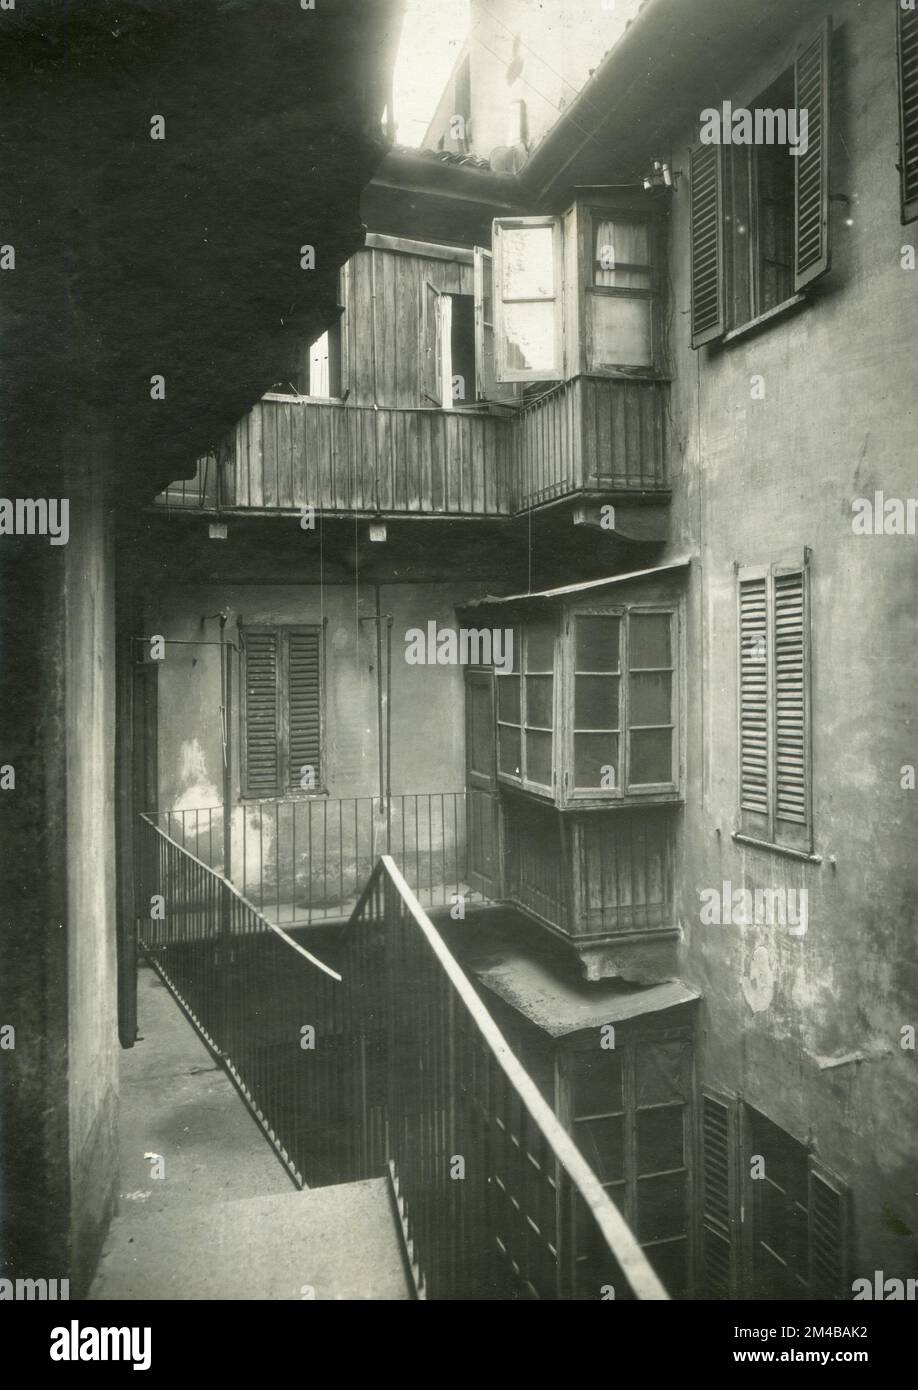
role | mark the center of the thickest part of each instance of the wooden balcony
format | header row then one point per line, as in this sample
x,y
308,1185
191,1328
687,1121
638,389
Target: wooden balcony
x,y
593,435
590,437
601,882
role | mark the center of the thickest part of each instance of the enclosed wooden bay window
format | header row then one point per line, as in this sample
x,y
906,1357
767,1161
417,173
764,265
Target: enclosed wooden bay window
x,y
590,715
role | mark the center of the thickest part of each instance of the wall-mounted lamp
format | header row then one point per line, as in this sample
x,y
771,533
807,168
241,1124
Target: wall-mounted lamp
x,y
377,531
660,176
217,530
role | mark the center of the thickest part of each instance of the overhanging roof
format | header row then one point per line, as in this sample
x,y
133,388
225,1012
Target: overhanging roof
x,y
588,586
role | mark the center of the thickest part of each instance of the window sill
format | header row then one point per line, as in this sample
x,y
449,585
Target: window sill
x,y
804,855
762,319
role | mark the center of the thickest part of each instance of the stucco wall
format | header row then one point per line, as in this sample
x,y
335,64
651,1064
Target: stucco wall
x,y
755,479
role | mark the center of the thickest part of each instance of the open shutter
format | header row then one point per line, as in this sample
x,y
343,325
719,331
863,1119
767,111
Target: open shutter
x,y
431,346
261,725
908,112
828,1235
720,1205
707,236
753,702
528,286
487,387
812,73
304,709
791,717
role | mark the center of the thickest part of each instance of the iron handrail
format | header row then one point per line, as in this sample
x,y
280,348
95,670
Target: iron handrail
x,y
272,926
613,1228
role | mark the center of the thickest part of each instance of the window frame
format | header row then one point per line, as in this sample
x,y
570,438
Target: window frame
x,y
815,47
281,632
544,790
624,792
588,212
556,372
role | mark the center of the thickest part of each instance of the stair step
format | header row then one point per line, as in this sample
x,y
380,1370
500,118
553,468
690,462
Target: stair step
x,y
327,1243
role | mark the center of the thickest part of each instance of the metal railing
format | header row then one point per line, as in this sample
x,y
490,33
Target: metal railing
x,y
301,861
495,1199
270,1007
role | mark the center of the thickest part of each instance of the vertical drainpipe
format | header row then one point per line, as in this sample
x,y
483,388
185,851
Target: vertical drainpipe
x,y
379,706
389,733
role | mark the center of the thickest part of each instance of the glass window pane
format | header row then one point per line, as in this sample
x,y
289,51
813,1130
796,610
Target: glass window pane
x,y
529,331
652,698
540,647
596,702
660,1139
602,1143
597,1083
508,698
538,701
670,1266
509,751
650,636
661,1207
597,641
616,244
621,331
664,1072
651,756
527,262
538,758
596,761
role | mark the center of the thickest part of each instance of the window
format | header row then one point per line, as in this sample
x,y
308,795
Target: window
x,y
624,702
908,111
759,214
281,710
527,300
774,714
620,292
774,1220
525,709
631,1116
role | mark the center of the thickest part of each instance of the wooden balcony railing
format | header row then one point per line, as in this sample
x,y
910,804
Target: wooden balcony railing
x,y
290,454
592,435
595,435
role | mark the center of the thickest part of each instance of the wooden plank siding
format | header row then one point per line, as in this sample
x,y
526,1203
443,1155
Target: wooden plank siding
x,y
291,454
592,876
593,434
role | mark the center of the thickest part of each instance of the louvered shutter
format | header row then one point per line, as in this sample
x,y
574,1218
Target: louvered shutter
x,y
790,707
720,1195
828,1235
304,706
260,712
812,73
755,794
908,112
487,386
707,244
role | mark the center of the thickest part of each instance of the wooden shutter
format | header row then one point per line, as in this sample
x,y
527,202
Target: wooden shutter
x,y
431,346
487,387
304,704
791,715
812,71
720,1206
707,241
753,701
828,1235
908,112
260,721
